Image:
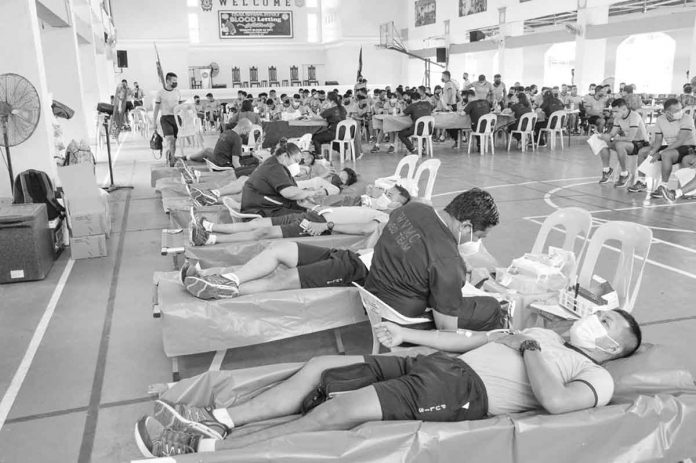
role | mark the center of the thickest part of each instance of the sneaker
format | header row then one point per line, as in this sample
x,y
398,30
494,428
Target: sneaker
x,y
155,440
180,164
203,197
622,182
375,149
184,271
638,187
606,175
211,286
188,174
185,417
391,149
198,234
666,193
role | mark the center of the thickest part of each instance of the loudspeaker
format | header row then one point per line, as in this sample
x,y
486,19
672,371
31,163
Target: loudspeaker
x,y
475,36
441,54
122,58
331,82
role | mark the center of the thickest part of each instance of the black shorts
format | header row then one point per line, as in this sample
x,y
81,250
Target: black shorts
x,y
169,127
436,387
290,223
593,119
684,151
637,146
320,267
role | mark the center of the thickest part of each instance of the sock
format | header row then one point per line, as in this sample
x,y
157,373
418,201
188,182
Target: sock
x,y
207,225
222,415
206,445
212,239
679,193
624,173
606,169
233,277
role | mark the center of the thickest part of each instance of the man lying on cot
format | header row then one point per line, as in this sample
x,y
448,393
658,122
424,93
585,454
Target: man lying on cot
x,y
284,265
498,374
320,221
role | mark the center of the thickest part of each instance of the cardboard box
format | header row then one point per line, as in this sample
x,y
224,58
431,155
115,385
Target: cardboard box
x,y
87,247
26,244
87,205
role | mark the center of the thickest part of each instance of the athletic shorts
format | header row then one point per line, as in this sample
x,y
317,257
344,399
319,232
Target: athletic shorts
x,y
637,146
683,151
593,119
169,127
290,223
320,267
435,387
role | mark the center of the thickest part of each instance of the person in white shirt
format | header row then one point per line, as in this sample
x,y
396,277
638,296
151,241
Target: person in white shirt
x,y
498,93
165,101
449,98
497,374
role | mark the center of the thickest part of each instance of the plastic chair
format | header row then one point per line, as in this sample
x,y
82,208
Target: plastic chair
x,y
377,310
635,241
345,137
423,131
554,127
255,137
141,124
188,125
575,222
525,128
406,181
432,166
484,131
212,167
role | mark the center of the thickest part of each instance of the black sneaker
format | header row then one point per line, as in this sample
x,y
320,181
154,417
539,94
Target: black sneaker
x,y
666,193
638,187
183,417
155,440
375,149
606,175
211,287
622,182
391,149
198,234
202,197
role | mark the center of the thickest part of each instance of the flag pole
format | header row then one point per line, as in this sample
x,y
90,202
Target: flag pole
x,y
160,73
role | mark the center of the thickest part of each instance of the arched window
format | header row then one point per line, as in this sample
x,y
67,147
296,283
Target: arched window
x,y
559,60
646,60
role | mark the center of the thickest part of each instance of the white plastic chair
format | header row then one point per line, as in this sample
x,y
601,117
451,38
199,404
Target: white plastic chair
x,y
141,122
255,137
574,220
432,166
554,127
423,131
345,137
525,128
635,241
484,131
377,310
212,167
188,125
409,162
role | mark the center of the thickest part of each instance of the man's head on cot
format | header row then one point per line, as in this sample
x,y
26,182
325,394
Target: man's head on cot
x,y
607,335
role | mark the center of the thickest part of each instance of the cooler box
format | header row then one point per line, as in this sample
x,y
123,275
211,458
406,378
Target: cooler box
x,y
26,244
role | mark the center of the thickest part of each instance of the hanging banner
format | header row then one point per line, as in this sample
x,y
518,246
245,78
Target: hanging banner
x,y
255,24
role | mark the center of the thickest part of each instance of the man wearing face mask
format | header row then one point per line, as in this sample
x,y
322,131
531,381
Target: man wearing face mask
x,y
417,262
627,137
449,96
594,104
498,374
228,149
165,101
674,142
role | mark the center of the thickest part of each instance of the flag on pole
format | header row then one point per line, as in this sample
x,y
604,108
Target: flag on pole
x,y
159,66
359,65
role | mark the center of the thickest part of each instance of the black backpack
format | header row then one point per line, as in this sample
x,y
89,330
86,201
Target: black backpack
x,y
35,186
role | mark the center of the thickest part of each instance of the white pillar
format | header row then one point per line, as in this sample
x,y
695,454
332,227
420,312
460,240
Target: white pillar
x,y
692,54
590,55
511,60
62,62
22,54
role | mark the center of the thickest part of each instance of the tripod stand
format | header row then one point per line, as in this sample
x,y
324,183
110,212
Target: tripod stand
x,y
111,187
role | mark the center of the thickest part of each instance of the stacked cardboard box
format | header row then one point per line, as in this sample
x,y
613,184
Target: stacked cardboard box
x,y
88,211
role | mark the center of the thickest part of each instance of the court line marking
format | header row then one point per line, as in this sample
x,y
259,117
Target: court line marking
x,y
649,261
23,369
515,184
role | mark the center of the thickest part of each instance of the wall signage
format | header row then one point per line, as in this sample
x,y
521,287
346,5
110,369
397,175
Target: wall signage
x,y
255,24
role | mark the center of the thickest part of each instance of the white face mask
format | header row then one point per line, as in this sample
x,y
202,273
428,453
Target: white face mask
x,y
294,169
589,333
382,203
678,115
469,248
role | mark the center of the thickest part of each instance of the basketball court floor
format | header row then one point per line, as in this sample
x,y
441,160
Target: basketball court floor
x,y
80,348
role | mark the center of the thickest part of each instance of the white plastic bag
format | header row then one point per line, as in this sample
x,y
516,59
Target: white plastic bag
x,y
596,144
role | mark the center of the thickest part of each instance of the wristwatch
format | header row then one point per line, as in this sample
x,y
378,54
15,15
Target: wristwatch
x,y
330,226
529,344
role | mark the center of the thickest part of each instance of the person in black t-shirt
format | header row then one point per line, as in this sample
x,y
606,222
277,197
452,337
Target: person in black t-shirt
x,y
228,149
333,116
550,105
271,189
416,109
475,109
418,263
